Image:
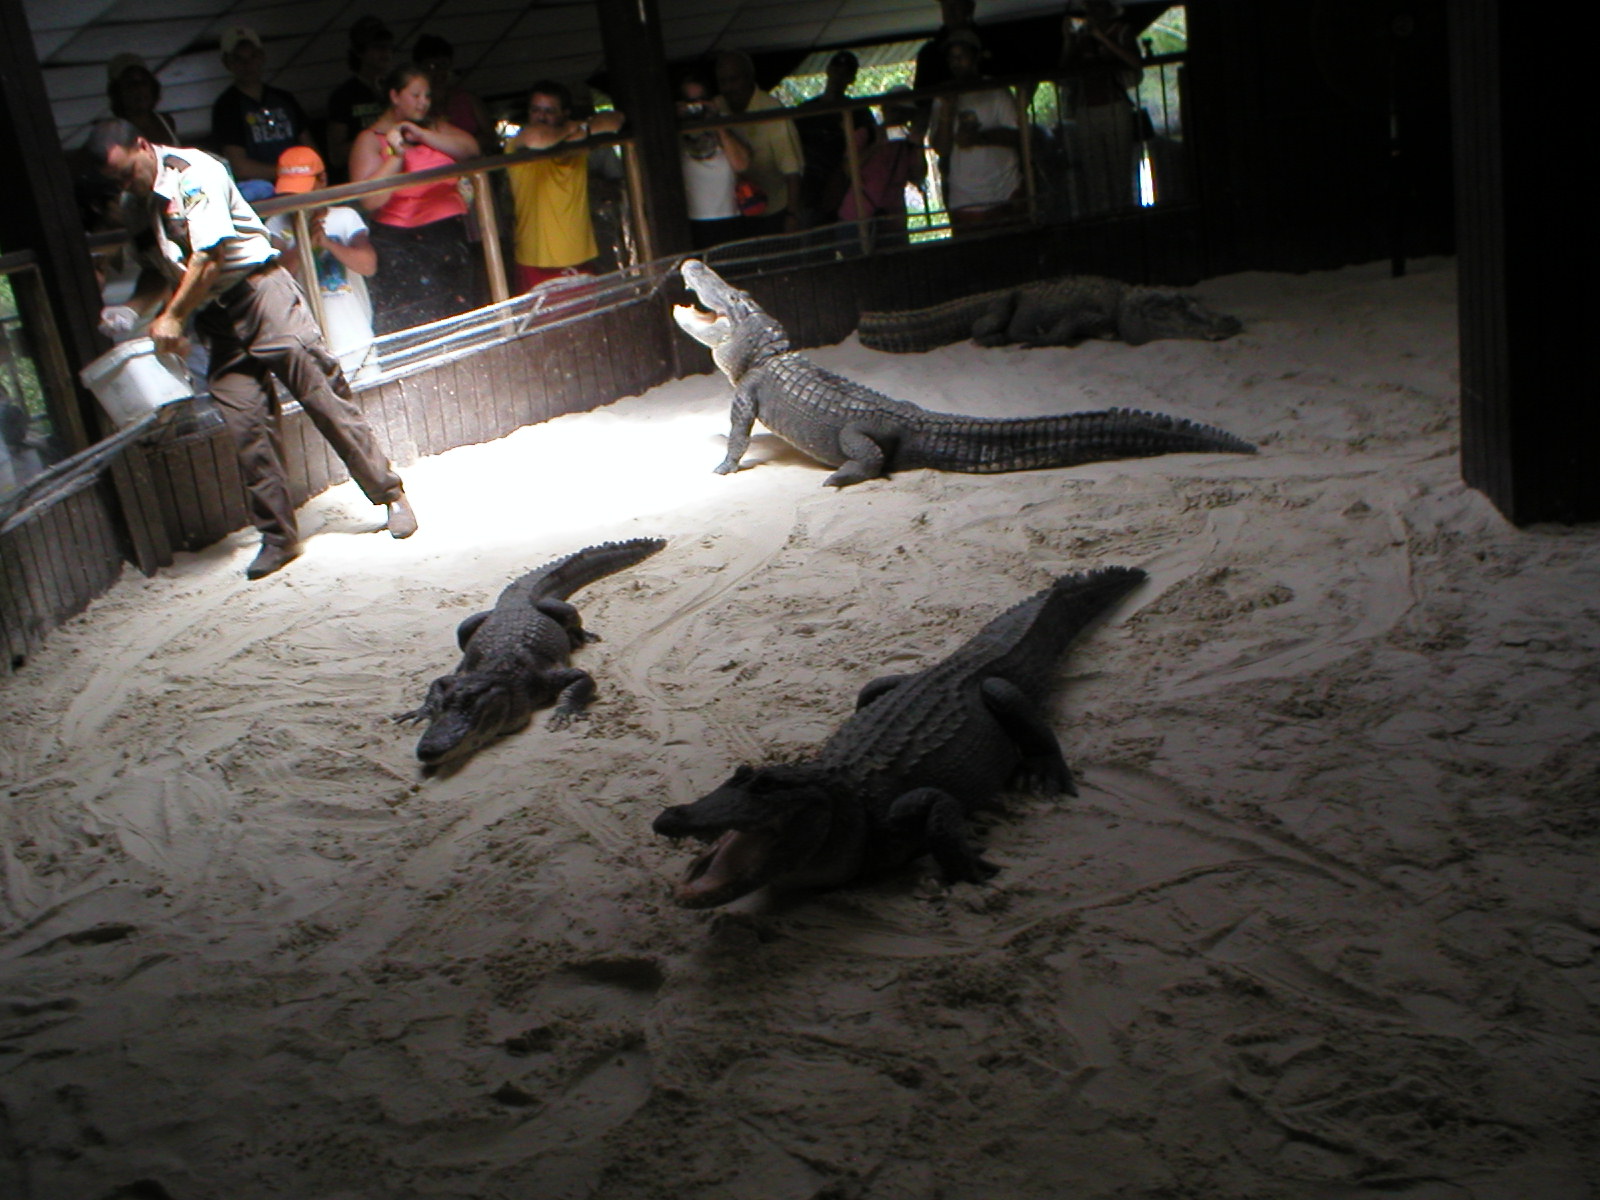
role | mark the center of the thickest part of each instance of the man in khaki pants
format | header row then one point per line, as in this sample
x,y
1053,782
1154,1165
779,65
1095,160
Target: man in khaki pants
x,y
212,258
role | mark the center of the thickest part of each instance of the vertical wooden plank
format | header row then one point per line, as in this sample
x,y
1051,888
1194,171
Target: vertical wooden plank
x,y
529,380
423,429
585,374
507,403
68,536
447,405
141,518
471,397
44,596
461,408
385,408
563,373
213,505
15,607
179,470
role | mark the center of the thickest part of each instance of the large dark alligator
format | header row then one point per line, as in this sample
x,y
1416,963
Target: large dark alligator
x,y
515,657
1051,312
899,777
866,434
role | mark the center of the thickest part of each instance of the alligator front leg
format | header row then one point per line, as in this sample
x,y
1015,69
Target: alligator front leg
x,y
432,704
937,818
577,689
742,418
864,457
1042,769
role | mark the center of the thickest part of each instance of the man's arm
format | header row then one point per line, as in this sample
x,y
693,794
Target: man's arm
x,y
192,291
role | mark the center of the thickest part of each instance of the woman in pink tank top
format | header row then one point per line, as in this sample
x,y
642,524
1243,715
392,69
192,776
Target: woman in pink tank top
x,y
426,268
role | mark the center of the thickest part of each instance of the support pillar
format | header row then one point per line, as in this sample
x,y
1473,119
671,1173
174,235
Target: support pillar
x,y
1530,386
636,66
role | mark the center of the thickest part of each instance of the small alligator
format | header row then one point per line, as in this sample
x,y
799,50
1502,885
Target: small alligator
x,y
515,657
898,779
866,434
1052,312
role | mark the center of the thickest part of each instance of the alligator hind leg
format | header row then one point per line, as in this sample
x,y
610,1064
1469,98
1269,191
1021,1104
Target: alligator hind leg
x,y
875,688
1042,769
467,628
993,327
566,615
936,816
864,458
577,689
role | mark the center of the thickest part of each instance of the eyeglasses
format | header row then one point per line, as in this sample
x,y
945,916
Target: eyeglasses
x,y
545,108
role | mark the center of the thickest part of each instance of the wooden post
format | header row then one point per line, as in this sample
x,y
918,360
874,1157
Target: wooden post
x,y
38,212
636,66
1530,424
309,283
853,162
489,229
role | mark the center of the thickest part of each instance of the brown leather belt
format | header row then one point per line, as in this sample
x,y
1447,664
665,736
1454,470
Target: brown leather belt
x,y
272,264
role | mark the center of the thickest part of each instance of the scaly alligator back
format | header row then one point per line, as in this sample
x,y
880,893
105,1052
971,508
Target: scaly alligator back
x,y
987,446
922,732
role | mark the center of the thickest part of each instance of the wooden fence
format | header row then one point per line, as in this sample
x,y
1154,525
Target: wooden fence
x,y
157,499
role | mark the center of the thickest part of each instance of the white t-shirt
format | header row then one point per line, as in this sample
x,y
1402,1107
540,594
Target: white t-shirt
x,y
708,176
346,306
982,176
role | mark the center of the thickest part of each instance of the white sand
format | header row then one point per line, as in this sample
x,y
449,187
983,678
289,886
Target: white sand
x,y
1322,923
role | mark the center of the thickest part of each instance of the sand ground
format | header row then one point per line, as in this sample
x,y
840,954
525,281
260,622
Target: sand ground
x,y
1322,922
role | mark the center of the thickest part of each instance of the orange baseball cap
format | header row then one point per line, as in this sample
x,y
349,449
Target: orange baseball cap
x,y
298,170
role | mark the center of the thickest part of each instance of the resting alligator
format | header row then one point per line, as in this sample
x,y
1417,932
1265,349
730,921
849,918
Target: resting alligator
x,y
898,778
866,434
1052,312
515,657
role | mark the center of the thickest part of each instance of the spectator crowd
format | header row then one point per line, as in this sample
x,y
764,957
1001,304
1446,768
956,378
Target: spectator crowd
x,y
411,254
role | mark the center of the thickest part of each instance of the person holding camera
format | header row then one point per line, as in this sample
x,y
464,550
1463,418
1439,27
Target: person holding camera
x,y
429,270
975,135
712,160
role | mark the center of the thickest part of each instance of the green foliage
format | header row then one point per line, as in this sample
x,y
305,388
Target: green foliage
x,y
19,378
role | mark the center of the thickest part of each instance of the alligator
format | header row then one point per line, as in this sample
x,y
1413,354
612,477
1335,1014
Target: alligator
x,y
516,657
899,777
866,435
1051,312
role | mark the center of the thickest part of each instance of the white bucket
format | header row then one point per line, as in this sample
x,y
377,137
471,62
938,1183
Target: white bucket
x,y
131,380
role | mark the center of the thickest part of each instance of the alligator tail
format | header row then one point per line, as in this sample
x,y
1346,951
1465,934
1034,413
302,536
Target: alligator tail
x,y
982,446
1073,601
561,578
1025,642
915,330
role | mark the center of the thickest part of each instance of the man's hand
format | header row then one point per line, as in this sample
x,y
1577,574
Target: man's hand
x,y
167,332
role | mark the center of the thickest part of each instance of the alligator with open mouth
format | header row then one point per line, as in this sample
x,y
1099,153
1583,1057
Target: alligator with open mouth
x,y
866,435
899,777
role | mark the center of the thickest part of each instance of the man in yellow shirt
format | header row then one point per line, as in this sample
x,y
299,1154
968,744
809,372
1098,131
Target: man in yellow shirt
x,y
554,231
